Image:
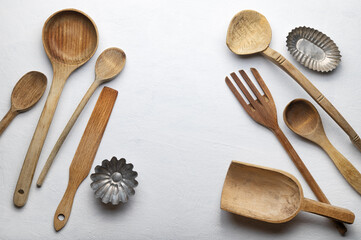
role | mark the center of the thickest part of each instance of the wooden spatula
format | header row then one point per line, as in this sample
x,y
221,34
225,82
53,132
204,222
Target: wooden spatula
x,y
85,153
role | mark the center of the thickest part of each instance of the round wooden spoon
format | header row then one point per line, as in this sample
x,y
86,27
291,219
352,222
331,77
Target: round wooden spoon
x,y
249,32
109,64
303,119
70,39
271,195
26,93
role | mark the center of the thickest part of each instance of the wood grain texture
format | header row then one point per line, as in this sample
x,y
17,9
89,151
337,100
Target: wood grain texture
x,y
109,64
303,119
85,153
271,195
26,93
70,39
249,32
263,111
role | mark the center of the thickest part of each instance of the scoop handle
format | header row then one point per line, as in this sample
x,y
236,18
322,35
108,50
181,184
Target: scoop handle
x,y
32,156
10,115
327,210
348,171
64,208
291,70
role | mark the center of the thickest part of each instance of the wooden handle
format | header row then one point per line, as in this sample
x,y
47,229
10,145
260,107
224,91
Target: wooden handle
x,y
62,213
85,153
337,213
306,174
348,171
286,66
10,115
66,131
32,156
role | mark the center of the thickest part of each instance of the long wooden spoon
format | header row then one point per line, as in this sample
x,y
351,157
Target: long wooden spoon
x,y
85,153
70,39
271,195
303,119
249,32
109,64
26,93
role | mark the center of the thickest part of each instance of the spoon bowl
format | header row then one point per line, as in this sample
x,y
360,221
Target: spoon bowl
x,y
249,32
26,93
271,195
109,64
302,118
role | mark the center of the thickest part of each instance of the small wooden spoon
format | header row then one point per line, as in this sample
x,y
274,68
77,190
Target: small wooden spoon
x,y
303,119
109,64
70,39
26,93
271,195
249,32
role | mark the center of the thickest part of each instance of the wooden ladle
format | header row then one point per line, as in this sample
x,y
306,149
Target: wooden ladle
x,y
26,93
109,64
271,195
303,119
70,39
249,32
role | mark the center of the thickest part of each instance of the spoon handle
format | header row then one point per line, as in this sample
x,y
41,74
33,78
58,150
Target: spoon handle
x,y
32,156
327,210
10,115
66,131
348,171
291,70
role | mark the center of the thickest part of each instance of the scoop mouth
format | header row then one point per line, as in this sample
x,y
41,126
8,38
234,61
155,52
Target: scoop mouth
x,y
70,37
248,32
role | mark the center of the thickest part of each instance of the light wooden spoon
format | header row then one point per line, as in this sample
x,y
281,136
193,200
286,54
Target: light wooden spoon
x,y
303,119
271,195
109,64
249,32
70,39
26,93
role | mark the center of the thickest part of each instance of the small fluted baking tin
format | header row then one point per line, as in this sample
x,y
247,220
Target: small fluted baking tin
x,y
313,49
114,181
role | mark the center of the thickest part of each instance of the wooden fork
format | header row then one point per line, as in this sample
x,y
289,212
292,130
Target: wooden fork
x,y
263,111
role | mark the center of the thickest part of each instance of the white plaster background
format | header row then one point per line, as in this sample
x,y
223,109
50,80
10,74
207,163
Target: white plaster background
x,y
175,119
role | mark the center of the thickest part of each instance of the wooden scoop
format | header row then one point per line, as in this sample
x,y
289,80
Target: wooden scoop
x,y
271,195
109,64
303,119
85,153
70,39
249,32
26,93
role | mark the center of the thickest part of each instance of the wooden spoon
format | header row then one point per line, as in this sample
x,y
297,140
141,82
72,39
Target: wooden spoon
x,y
26,93
303,119
249,32
109,64
85,153
271,195
70,39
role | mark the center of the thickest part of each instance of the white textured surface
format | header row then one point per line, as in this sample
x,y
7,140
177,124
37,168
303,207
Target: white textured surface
x,y
175,119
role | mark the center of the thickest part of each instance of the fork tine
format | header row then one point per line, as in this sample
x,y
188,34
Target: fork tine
x,y
251,85
261,83
243,89
237,95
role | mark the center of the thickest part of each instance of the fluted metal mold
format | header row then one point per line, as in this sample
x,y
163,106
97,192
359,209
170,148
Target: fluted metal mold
x,y
114,181
313,49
